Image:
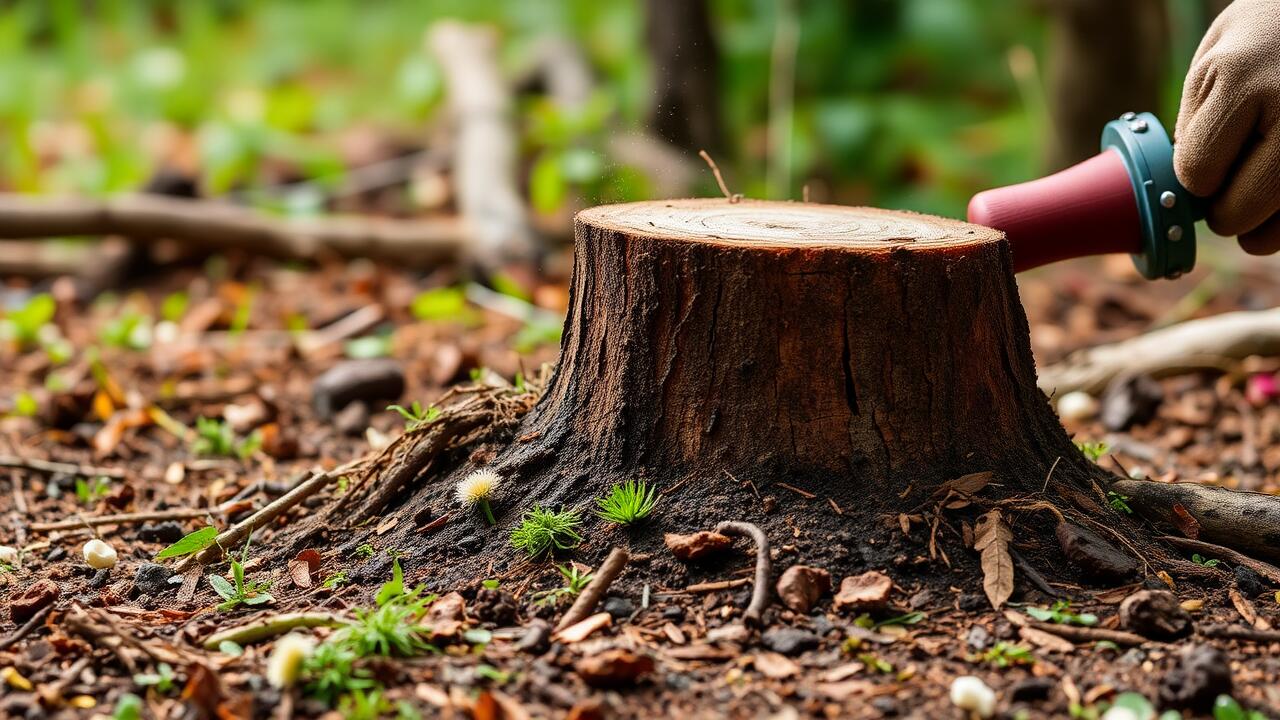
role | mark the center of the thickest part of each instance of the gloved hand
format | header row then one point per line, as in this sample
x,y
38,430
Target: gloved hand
x,y
1227,141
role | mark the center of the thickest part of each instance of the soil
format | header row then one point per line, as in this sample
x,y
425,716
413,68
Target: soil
x,y
1204,430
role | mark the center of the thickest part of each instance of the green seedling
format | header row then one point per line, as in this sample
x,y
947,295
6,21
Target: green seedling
x,y
628,502
365,551
244,591
492,674
415,416
575,581
128,707
1119,502
190,543
490,584
1205,562
1093,450
162,679
359,704
542,531
25,405
1226,708
216,438
1060,613
131,330
335,580
1004,654
875,663
174,306
89,491
866,622
23,325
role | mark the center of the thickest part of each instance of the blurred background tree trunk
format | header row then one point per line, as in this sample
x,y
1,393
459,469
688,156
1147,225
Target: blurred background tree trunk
x,y
686,107
1105,58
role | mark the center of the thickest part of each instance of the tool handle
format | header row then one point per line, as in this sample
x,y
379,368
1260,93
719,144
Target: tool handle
x,y
1087,209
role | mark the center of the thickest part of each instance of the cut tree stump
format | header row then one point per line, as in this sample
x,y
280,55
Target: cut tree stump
x,y
729,353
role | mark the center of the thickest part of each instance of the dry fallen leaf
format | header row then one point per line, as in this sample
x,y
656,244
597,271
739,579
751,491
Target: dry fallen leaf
x,y
991,538
1186,522
776,666
970,484
1046,640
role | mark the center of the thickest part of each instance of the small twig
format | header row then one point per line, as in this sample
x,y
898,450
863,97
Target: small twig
x,y
267,627
1267,570
1239,632
51,467
1034,575
1077,633
760,591
125,518
802,493
713,586
599,585
1050,473
19,493
26,628
715,170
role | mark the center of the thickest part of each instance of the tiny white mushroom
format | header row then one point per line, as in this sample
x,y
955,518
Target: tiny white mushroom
x,y
99,555
1120,713
8,555
971,694
1077,406
285,663
1137,473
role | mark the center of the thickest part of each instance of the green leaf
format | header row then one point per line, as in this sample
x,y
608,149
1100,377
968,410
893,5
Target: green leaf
x,y
259,599
222,586
128,707
230,647
394,587
448,303
1226,708
1135,703
369,346
192,543
237,572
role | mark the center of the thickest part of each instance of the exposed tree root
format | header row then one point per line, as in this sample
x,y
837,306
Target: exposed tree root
x,y
763,582
609,571
1246,521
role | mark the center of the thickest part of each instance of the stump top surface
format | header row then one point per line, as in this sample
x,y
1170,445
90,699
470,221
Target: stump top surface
x,y
785,224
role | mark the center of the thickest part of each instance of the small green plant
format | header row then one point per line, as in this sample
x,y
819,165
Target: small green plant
x,y
216,438
162,679
1093,450
1205,562
1004,654
1119,502
542,531
493,674
332,672
131,330
490,584
23,325
89,491
359,704
1226,708
575,581
415,416
866,622
365,551
190,543
128,707
1061,614
174,306
628,502
245,592
25,405
335,580
876,663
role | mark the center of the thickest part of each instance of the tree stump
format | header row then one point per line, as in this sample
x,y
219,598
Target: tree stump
x,y
813,369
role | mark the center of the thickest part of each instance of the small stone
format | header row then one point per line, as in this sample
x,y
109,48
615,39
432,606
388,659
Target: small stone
x,y
673,612
789,641
24,605
100,579
614,668
619,607
352,419
166,532
1077,406
971,694
1095,556
1034,689
978,638
471,543
1249,582
371,380
972,602
536,638
1155,614
864,593
152,579
887,706
8,555
735,633
801,586
55,554
697,546
1202,674
495,605
1130,400
822,625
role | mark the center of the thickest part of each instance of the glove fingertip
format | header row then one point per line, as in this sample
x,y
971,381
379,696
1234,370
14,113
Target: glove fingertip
x,y
1263,240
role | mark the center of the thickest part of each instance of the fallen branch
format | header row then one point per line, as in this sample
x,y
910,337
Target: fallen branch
x,y
1076,633
125,519
51,467
1208,343
1246,521
1239,632
272,626
26,628
599,585
1226,554
760,591
414,243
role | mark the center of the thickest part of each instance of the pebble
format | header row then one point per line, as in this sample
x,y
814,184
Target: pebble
x,y
166,532
23,606
971,694
371,380
471,543
353,419
1155,614
536,639
100,579
99,555
789,641
1202,674
616,667
1077,406
55,554
152,579
1249,582
673,612
978,638
696,546
619,607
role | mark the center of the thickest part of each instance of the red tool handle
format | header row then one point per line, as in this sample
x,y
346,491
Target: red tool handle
x,y
1087,209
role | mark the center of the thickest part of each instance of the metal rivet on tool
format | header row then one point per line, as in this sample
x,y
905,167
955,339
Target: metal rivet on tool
x,y
1168,199
1129,116
1175,233
1139,127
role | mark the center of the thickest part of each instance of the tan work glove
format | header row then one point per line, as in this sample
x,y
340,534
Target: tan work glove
x,y
1228,133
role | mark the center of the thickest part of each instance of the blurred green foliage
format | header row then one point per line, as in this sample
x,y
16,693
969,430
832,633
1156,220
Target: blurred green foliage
x,y
899,103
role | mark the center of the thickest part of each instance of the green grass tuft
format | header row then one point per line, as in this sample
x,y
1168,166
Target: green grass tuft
x,y
542,530
628,502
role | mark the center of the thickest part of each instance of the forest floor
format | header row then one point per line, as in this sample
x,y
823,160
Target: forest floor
x,y
670,647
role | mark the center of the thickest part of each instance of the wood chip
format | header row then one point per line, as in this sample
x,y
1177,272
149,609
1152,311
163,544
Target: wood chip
x,y
775,665
1046,640
582,630
674,634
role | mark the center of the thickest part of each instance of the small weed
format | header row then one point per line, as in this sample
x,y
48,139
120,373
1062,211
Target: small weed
x,y
245,592
1119,502
574,583
628,502
25,405
393,553
866,622
128,707
1094,450
89,491
1004,654
216,438
415,416
131,330
1060,613
493,674
365,551
491,584
335,580
876,664
476,489
361,705
541,531
162,679
23,325
1205,562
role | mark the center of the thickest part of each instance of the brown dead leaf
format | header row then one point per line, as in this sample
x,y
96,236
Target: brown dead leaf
x,y
1245,607
843,672
991,538
446,615
486,707
970,484
801,586
775,665
1185,522
1046,640
305,564
697,546
865,592
904,522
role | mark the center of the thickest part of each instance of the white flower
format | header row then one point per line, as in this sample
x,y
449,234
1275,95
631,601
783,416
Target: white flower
x,y
970,693
287,657
99,555
477,487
